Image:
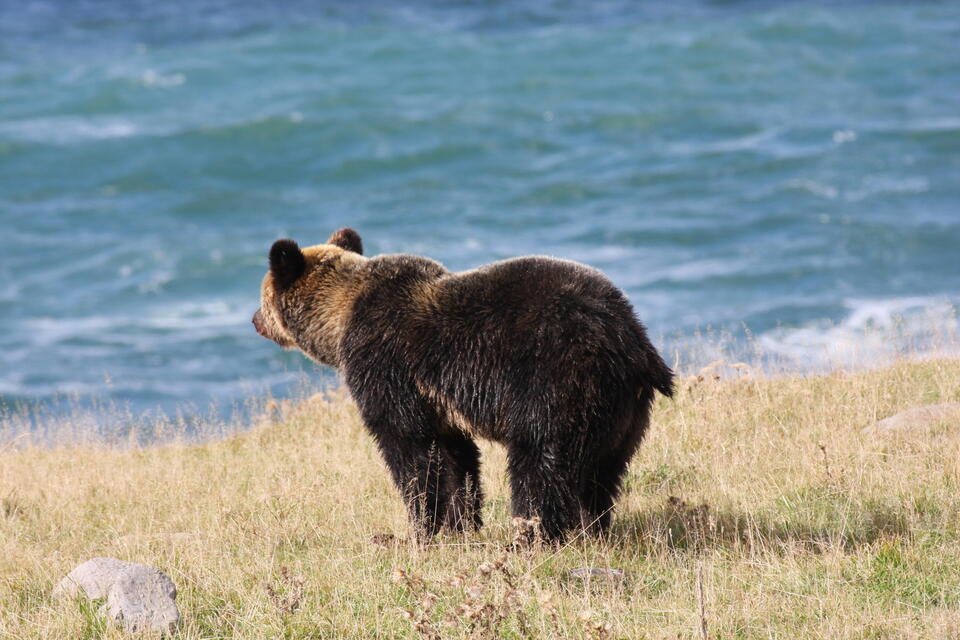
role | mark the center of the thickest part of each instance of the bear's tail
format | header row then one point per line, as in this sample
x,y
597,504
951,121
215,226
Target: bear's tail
x,y
659,375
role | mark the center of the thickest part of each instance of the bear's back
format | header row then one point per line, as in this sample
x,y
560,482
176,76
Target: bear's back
x,y
512,338
527,283
521,307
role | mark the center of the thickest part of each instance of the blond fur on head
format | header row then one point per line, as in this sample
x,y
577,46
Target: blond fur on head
x,y
319,297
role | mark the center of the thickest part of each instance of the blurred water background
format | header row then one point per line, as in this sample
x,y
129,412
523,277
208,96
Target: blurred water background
x,y
766,180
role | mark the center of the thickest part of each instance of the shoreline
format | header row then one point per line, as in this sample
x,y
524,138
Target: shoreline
x,y
71,419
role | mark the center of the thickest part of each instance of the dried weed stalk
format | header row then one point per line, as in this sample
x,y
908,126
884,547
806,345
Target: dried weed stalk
x,y
526,534
690,525
826,460
482,604
476,605
288,596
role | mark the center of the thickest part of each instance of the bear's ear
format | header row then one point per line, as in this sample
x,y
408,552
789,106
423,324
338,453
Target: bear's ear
x,y
286,263
348,239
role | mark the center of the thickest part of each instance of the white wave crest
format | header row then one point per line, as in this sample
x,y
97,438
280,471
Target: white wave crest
x,y
192,320
64,130
874,332
151,78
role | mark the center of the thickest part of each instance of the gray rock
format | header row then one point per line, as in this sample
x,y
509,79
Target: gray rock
x,y
598,573
93,577
930,415
144,600
139,598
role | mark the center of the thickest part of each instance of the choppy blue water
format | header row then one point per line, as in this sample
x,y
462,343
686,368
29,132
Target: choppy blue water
x,y
792,168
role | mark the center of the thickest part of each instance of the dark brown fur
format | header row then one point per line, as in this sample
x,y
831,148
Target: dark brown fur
x,y
543,355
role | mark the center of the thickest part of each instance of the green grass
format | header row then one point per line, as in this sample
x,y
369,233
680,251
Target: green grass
x,y
756,501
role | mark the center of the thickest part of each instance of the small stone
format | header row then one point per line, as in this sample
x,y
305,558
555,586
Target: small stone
x,y
598,573
139,598
930,415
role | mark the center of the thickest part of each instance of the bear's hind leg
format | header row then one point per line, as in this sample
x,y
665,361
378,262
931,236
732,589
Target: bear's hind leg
x,y
604,482
601,491
543,487
461,459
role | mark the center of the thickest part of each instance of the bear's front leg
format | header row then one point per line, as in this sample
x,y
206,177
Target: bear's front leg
x,y
417,468
406,430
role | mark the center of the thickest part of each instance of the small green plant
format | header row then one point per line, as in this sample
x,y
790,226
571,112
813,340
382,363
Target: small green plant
x,y
94,620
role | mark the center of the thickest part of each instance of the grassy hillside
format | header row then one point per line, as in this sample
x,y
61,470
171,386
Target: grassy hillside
x,y
755,509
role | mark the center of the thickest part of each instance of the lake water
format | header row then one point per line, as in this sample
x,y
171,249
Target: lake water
x,y
778,179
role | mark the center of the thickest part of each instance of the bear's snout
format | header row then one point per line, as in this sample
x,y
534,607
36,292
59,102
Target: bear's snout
x,y
269,332
258,323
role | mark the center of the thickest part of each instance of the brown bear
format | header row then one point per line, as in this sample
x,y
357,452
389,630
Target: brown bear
x,y
545,356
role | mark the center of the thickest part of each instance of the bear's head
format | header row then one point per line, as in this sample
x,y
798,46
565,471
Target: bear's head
x,y
306,296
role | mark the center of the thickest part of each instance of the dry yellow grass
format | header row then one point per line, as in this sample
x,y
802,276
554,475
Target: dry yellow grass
x,y
810,529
